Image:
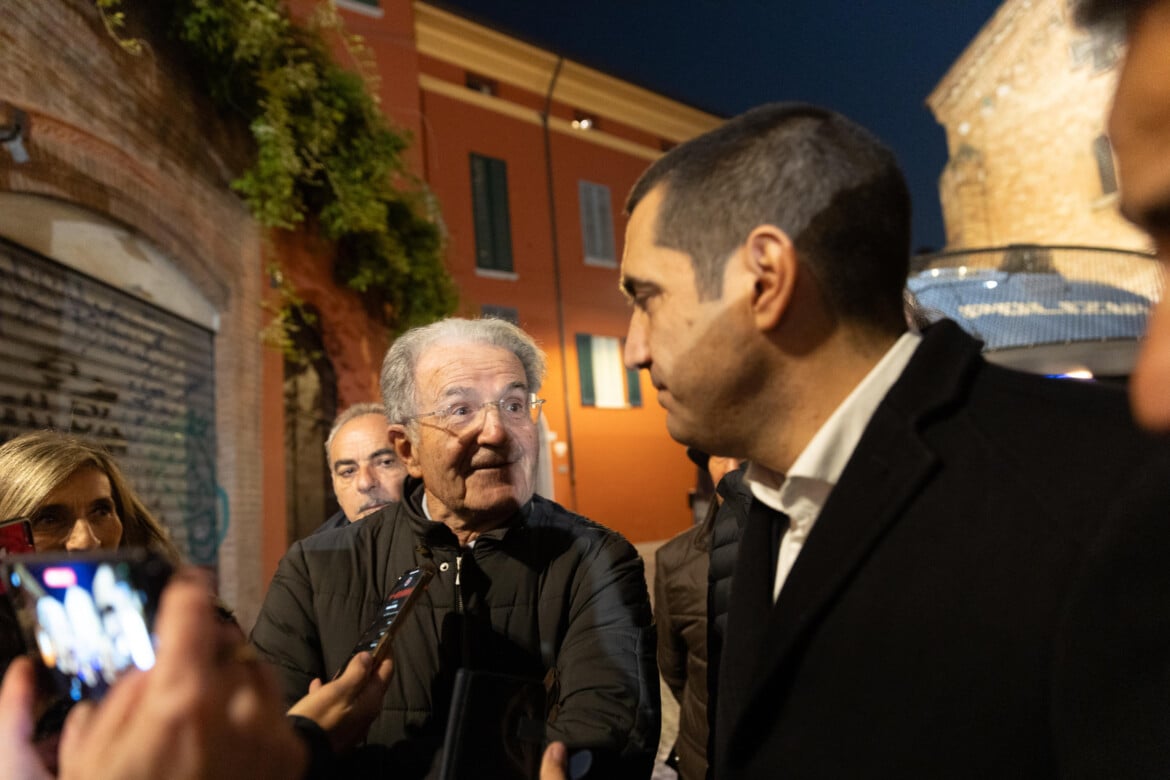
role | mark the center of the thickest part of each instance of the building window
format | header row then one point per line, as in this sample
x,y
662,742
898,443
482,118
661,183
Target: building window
x,y
596,224
489,311
489,203
605,382
1103,152
481,84
366,7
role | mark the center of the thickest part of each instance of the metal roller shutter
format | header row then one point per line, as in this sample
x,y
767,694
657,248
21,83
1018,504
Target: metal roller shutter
x,y
77,355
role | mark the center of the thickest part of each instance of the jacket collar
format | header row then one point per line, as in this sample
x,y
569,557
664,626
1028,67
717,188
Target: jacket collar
x,y
438,534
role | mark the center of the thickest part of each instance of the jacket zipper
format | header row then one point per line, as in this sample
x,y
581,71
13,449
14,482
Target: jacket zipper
x,y
458,592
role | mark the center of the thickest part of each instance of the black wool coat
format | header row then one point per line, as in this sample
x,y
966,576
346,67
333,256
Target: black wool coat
x,y
983,595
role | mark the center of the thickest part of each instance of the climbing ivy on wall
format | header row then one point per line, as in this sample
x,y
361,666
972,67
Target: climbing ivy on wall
x,y
325,154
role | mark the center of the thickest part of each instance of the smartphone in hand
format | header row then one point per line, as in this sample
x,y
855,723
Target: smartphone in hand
x,y
87,617
15,538
403,596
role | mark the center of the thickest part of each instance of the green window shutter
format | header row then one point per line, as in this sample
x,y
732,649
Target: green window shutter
x,y
633,387
585,368
596,222
481,211
501,221
489,205
604,224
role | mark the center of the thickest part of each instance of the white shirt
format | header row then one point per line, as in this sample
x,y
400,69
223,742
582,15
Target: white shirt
x,y
803,491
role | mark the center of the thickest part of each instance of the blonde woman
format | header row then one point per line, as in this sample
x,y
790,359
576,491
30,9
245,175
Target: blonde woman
x,y
75,496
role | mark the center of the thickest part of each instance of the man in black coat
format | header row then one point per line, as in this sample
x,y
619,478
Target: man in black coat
x,y
522,586
918,588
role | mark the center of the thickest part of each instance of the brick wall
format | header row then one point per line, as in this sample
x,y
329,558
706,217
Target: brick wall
x,y
130,139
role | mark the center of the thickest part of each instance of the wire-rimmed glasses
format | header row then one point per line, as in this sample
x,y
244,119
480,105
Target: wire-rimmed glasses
x,y
461,416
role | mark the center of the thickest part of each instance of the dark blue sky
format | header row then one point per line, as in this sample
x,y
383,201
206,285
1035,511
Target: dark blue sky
x,y
873,60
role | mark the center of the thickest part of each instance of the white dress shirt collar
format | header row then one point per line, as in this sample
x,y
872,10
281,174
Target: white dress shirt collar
x,y
804,490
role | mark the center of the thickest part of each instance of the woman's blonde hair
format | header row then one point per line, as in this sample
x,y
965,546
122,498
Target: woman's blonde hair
x,y
34,464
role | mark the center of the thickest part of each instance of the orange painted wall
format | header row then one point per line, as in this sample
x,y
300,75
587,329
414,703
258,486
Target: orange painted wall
x,y
625,472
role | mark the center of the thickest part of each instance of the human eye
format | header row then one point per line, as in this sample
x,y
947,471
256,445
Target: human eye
x,y
458,410
387,461
102,508
514,406
51,517
346,471
643,297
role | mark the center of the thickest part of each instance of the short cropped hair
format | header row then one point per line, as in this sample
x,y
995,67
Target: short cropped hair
x,y
1108,14
833,187
398,368
352,413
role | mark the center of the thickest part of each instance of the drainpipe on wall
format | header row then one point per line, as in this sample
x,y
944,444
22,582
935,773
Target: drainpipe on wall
x,y
556,260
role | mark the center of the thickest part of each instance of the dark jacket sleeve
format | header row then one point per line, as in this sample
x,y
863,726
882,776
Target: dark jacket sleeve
x,y
672,647
607,681
1111,701
285,634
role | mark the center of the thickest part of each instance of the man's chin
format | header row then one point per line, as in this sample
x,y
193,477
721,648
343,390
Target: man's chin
x,y
494,490
367,511
680,430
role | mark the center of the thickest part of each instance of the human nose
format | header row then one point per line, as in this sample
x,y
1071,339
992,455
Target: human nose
x,y
491,426
636,353
81,537
366,479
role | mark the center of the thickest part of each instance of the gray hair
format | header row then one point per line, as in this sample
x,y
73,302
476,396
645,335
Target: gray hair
x,y
821,178
398,368
352,413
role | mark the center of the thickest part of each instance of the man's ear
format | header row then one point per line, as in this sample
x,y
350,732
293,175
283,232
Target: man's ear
x,y
770,257
404,449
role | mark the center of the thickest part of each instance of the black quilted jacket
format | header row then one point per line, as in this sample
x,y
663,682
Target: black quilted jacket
x,y
552,590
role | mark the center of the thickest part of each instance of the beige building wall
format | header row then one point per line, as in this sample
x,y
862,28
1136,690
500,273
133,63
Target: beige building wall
x,y
1022,107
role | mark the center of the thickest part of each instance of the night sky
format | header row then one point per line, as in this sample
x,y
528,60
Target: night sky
x,y
874,61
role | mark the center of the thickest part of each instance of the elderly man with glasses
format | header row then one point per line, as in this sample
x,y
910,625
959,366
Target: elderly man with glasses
x,y
522,585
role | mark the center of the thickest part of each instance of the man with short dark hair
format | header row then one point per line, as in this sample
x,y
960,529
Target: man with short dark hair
x,y
522,585
921,518
365,472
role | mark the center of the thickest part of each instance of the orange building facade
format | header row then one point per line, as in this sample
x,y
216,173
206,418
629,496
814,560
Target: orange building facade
x,y
531,203
119,228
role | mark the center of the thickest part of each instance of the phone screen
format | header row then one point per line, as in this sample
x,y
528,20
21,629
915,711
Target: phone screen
x,y
402,597
88,618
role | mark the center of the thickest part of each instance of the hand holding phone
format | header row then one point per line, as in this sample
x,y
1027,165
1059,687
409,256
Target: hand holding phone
x,y
401,599
15,538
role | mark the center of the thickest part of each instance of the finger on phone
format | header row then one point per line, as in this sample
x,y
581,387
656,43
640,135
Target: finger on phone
x,y
188,639
17,695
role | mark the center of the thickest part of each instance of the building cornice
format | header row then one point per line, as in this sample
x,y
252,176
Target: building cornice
x,y
968,65
483,51
532,116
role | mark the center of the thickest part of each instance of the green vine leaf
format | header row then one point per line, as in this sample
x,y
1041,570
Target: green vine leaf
x,y
325,153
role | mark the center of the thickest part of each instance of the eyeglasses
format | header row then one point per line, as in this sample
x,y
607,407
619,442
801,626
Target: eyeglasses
x,y
464,416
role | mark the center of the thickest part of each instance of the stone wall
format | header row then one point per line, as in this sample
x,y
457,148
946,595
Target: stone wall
x,y
1022,107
